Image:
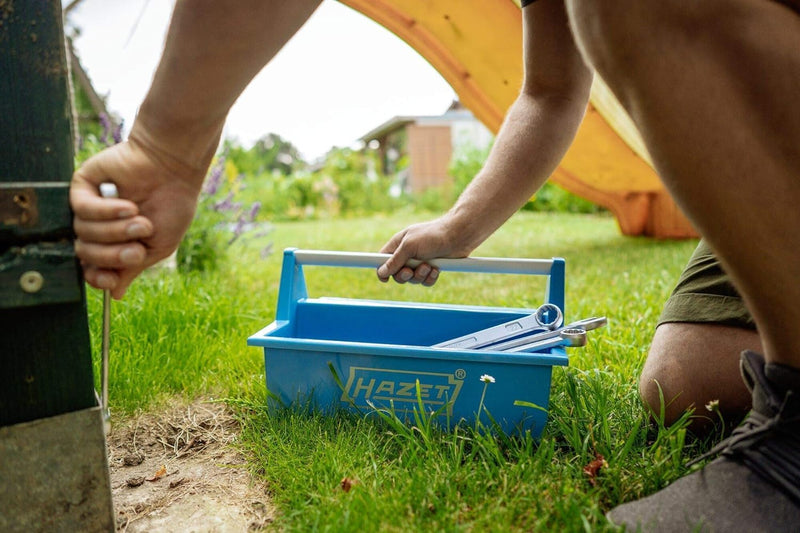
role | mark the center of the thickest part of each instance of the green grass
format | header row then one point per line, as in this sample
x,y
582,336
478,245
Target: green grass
x,y
173,336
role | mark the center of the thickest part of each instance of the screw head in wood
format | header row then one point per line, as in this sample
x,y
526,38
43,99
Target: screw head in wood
x,y
31,281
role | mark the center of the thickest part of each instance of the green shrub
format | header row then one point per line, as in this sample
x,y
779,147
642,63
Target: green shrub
x,y
553,198
359,185
221,219
434,199
348,182
469,160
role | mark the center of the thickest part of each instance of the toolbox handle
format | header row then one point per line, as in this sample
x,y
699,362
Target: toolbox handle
x,y
293,285
497,265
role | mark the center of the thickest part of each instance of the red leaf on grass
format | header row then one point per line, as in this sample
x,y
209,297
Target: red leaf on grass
x,y
348,483
594,467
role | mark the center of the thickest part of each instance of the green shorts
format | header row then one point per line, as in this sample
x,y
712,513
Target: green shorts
x,y
705,294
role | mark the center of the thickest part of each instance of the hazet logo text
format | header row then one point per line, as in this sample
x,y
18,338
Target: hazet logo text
x,y
383,387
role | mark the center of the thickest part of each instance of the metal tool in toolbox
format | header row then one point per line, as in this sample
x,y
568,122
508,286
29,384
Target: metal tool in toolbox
x,y
565,334
546,318
511,337
571,337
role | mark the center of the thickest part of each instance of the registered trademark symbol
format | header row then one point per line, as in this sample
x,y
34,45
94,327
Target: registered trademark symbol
x,y
461,373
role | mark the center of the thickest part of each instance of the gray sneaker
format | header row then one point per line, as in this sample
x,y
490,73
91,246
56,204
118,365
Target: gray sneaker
x,y
754,485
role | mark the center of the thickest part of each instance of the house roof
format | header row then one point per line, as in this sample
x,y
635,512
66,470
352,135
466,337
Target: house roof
x,y
454,112
390,125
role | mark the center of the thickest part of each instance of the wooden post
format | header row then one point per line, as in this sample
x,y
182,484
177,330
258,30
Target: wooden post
x,y
53,466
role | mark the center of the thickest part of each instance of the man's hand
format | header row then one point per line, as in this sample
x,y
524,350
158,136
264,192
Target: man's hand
x,y
119,238
213,50
536,133
427,240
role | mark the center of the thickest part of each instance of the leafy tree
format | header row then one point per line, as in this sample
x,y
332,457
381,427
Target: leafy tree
x,y
270,154
468,161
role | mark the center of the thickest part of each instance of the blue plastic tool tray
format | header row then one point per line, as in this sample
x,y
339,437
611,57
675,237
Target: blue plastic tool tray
x,y
380,349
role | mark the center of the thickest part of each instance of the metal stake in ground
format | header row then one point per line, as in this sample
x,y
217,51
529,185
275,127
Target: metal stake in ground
x,y
107,190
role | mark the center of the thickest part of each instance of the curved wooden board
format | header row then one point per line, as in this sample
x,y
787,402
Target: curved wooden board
x,y
476,45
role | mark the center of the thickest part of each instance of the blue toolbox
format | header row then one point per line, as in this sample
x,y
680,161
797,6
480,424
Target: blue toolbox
x,y
376,354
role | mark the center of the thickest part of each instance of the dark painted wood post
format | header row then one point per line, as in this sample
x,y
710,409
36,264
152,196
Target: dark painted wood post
x,y
45,354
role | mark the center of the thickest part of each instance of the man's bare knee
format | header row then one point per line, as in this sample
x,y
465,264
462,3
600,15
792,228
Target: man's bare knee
x,y
691,365
664,385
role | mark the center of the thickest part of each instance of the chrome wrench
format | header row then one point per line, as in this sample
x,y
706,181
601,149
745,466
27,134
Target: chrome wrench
x,y
546,318
571,337
587,324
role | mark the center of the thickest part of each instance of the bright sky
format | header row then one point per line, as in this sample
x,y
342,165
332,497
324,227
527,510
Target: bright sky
x,y
340,76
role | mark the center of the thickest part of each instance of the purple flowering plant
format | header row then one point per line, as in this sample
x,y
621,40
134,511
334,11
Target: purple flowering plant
x,y
220,221
95,136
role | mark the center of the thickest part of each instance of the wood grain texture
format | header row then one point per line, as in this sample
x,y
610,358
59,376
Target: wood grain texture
x,y
45,354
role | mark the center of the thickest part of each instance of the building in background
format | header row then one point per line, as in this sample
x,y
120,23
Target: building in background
x,y
417,150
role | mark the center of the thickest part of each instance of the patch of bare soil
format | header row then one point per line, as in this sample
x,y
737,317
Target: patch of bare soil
x,y
178,471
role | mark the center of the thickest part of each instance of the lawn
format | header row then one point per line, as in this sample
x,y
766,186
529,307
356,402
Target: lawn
x,y
185,336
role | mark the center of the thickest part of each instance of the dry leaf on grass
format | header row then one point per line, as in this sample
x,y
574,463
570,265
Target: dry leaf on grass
x,y
594,467
348,483
161,472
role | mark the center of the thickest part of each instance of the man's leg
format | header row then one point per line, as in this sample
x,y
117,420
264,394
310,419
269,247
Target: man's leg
x,y
694,356
713,88
694,364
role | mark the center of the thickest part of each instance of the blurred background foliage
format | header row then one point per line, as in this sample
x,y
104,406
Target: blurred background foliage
x,y
249,187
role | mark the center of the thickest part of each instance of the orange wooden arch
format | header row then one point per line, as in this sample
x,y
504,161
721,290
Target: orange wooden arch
x,y
476,45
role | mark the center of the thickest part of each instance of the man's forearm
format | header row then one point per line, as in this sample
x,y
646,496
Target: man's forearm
x,y
214,48
536,133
